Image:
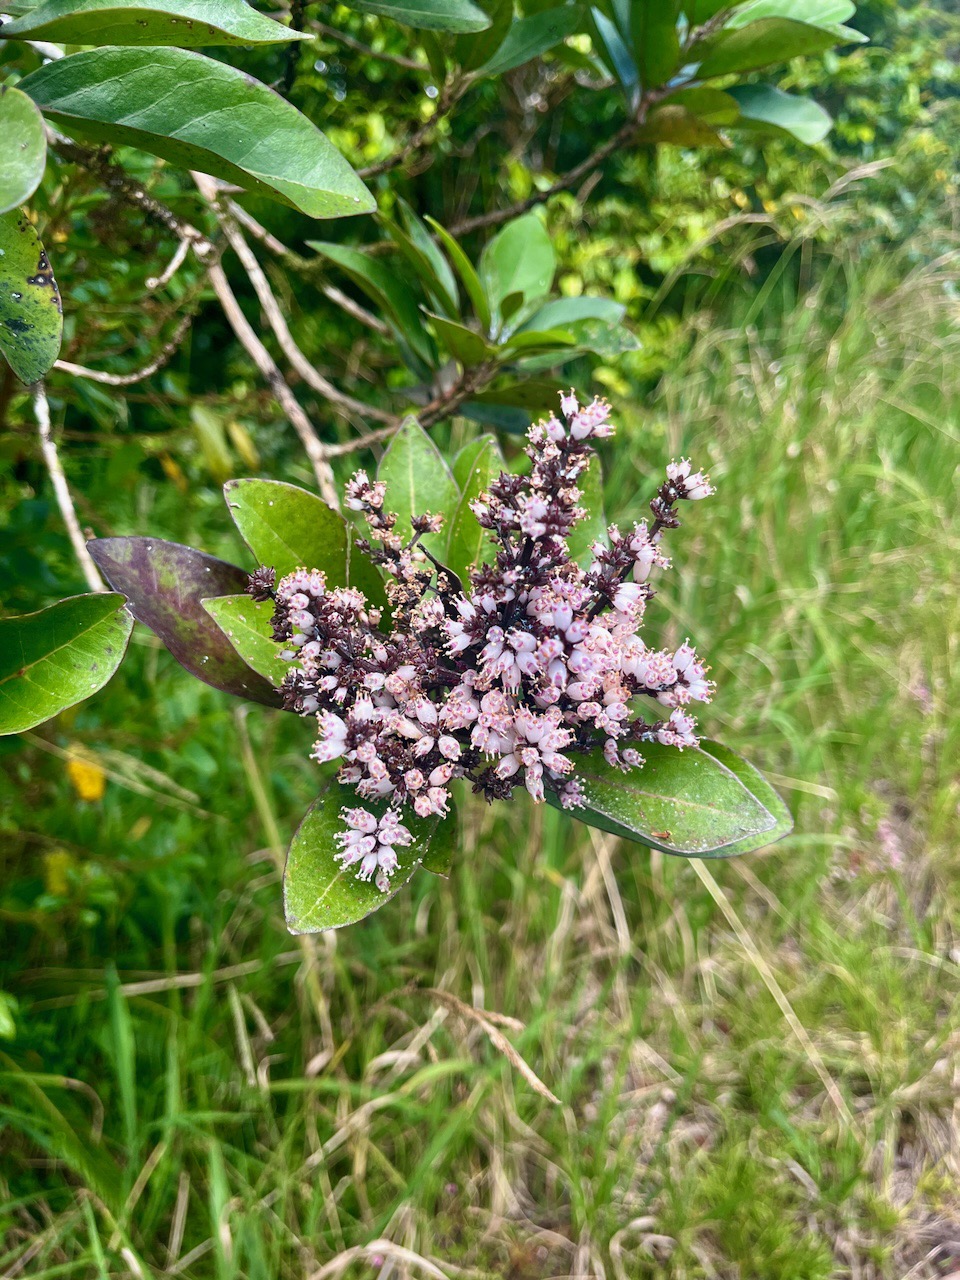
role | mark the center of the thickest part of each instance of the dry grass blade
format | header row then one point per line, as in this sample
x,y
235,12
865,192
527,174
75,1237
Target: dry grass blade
x,y
496,1038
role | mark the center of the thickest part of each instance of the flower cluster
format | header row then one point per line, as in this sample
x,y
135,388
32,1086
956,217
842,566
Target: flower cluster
x,y
502,680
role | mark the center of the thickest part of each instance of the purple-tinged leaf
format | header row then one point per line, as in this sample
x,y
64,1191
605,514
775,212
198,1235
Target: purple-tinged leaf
x,y
165,584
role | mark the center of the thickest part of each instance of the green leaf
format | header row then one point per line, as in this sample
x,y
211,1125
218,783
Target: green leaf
x,y
762,43
755,782
619,56
246,624
199,114
430,15
463,462
320,894
519,259
467,273
594,527
770,110
528,38
165,583
829,14
465,345
288,528
560,312
388,290
31,319
472,50
532,341
431,265
439,855
52,659
418,480
691,803
656,45
24,153
468,544
190,24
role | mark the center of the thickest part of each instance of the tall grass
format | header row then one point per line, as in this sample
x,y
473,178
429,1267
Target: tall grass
x,y
757,1068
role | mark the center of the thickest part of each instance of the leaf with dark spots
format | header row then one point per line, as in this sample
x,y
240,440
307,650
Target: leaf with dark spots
x,y
31,323
165,584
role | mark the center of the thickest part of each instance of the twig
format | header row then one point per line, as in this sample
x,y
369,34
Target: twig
x,y
172,267
118,181
288,402
352,43
41,410
564,183
128,379
277,320
453,91
307,266
361,442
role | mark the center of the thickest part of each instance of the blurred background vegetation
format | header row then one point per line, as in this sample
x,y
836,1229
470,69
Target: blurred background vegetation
x,y
758,1064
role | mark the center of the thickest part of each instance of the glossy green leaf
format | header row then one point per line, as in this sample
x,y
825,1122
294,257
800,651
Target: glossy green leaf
x,y
463,462
418,480
52,659
288,528
389,291
594,527
31,319
656,45
755,782
700,11
519,259
440,852
165,584
431,266
246,624
560,312
830,14
690,803
320,894
618,54
429,15
528,38
191,24
770,110
24,152
761,44
472,50
467,273
465,345
199,114
468,544
532,341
